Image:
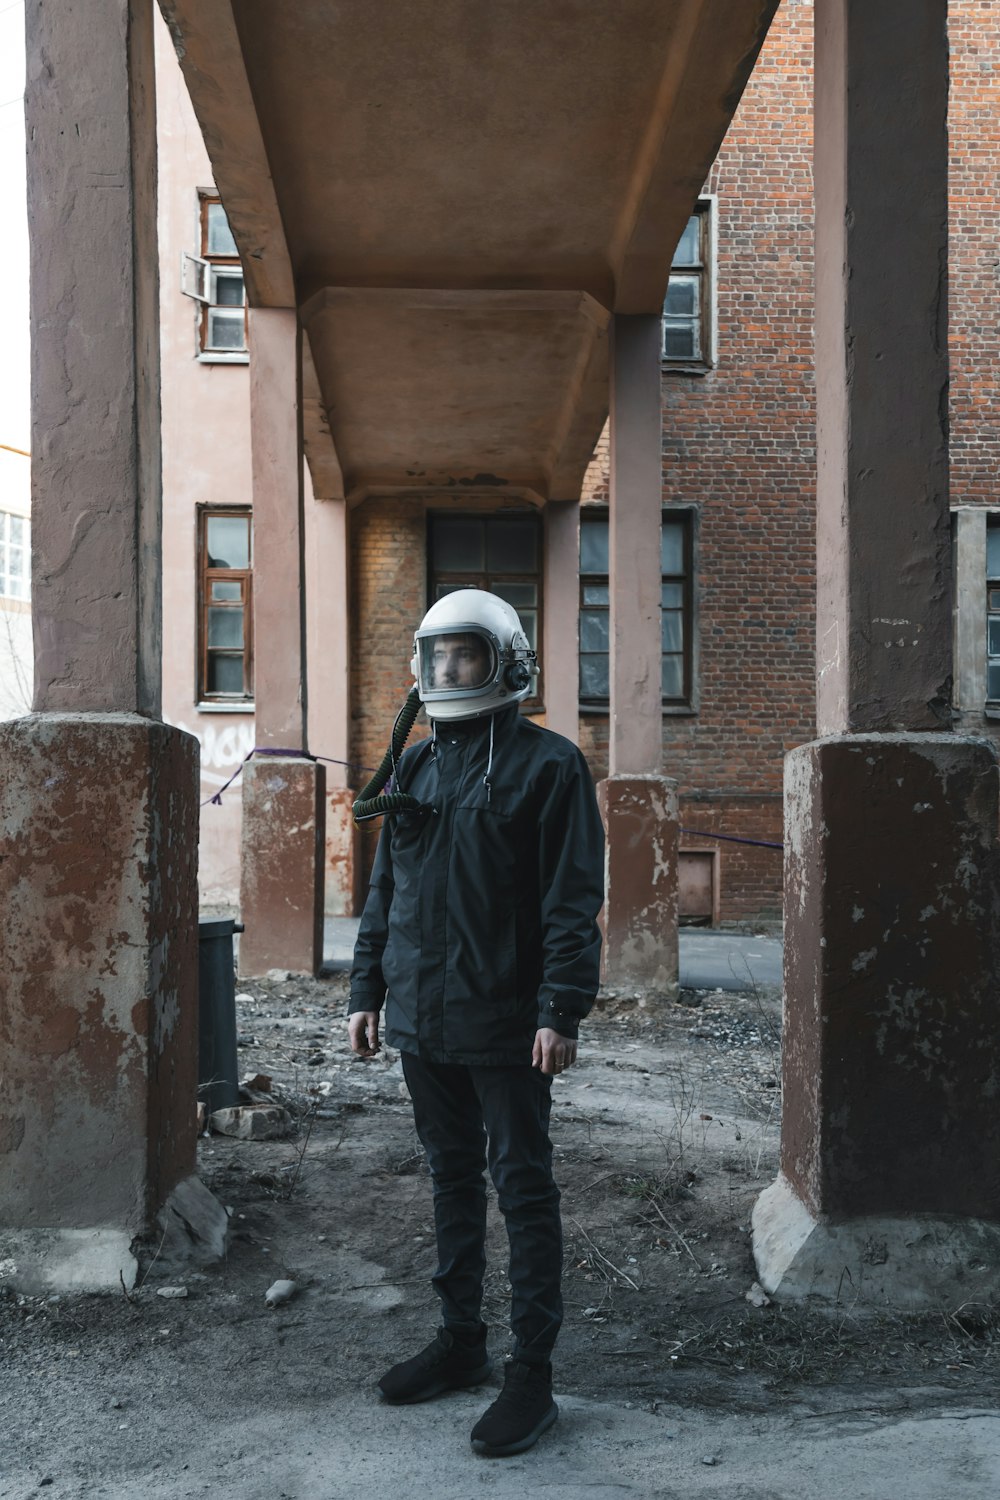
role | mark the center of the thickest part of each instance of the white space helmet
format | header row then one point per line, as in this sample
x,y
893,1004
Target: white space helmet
x,y
471,657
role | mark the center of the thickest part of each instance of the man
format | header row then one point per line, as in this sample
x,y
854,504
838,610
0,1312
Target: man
x,y
481,925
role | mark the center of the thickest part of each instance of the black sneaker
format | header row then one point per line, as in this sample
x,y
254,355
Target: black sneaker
x,y
523,1410
447,1364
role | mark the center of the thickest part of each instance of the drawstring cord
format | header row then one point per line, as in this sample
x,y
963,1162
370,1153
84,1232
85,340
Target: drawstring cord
x,y
489,763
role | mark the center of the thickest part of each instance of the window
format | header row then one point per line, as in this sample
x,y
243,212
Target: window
x,y
225,614
688,330
501,553
992,614
675,617
15,556
214,278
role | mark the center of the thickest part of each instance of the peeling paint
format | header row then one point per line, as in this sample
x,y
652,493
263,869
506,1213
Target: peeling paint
x,y
93,926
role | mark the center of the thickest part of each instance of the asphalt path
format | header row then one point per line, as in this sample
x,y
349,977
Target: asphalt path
x,y
709,960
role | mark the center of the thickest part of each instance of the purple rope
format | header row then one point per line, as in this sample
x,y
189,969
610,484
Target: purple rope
x,y
288,754
352,765
730,838
698,833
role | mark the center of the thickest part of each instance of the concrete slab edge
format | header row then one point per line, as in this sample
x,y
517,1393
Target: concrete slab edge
x,y
37,1262
915,1263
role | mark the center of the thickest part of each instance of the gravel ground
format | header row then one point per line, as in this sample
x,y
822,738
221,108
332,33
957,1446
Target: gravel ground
x,y
665,1132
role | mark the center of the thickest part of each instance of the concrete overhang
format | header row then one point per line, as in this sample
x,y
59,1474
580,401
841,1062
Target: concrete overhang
x,y
457,194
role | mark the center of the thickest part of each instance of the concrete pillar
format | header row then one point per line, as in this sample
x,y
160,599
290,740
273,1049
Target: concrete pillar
x,y
98,799
636,457
970,610
884,533
888,1189
639,954
639,804
327,593
281,882
561,646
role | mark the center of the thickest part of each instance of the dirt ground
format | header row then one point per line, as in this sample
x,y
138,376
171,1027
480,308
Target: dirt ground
x,y
665,1132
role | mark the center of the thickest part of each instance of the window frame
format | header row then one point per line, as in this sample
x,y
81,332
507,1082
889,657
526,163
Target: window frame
x,y
206,576
687,704
991,584
24,548
200,278
466,578
706,210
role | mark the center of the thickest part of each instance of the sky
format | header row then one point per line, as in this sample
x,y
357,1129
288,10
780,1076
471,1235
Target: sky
x,y
14,393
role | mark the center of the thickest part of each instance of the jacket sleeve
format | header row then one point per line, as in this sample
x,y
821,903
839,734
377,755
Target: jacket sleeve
x,y
571,884
367,983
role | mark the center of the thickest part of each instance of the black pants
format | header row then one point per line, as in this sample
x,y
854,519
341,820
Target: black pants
x,y
468,1118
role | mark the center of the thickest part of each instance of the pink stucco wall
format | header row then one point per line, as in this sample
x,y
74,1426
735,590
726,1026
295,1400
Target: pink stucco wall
x,y
206,460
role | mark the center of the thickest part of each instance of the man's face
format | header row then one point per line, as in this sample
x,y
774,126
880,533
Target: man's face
x,y
459,661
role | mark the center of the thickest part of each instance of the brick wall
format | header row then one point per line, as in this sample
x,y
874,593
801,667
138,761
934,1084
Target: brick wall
x,y
739,444
974,251
388,553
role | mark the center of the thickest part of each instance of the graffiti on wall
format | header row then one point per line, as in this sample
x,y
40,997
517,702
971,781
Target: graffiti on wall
x,y
223,747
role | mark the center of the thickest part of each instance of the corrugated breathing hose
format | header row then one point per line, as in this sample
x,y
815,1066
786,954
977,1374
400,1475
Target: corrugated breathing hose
x,y
373,802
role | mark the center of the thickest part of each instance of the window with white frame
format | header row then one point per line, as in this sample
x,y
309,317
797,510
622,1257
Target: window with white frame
x,y
15,556
688,332
214,278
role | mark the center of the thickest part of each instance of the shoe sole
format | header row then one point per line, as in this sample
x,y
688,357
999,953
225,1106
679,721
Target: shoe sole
x,y
507,1450
440,1387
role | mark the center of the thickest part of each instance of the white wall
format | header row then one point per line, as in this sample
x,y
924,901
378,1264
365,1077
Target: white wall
x,y
205,434
16,666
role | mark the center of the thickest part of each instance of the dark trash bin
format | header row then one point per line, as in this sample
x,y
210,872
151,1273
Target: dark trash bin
x,y
218,1075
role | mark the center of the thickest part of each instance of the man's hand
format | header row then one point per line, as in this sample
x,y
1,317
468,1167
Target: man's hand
x,y
552,1053
362,1028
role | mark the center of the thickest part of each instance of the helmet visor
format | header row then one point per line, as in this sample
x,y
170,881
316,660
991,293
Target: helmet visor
x,y
455,662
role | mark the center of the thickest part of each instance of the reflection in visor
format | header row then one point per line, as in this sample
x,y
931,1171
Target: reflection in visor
x,y
456,661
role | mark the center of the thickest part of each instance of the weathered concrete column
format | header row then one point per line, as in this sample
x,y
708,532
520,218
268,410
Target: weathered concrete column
x,y
281,881
98,799
889,1187
970,613
639,803
561,646
327,593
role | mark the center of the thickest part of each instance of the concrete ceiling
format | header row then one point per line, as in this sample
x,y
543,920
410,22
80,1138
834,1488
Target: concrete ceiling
x,y
457,195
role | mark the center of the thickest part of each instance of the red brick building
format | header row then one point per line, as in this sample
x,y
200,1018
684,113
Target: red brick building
x,y
738,485
447,287
739,504
738,462
739,453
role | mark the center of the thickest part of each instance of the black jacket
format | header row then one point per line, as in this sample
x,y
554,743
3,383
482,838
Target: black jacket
x,y
480,920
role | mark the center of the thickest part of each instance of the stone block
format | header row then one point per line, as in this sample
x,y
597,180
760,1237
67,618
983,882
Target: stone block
x,y
252,1122
891,1056
639,955
194,1227
911,1264
281,900
98,1008
891,1047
